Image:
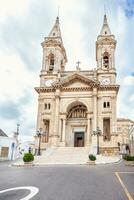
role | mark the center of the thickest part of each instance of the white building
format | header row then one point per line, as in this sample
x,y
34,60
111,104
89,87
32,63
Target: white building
x,y
8,147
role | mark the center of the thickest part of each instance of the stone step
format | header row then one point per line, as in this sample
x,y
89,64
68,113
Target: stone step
x,y
64,155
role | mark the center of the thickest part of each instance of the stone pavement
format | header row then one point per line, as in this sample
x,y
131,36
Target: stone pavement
x,y
69,155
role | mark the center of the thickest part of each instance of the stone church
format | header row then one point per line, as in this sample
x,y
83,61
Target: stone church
x,y
73,104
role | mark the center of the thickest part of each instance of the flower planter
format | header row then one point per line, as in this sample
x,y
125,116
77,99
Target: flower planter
x,y
129,163
28,164
91,162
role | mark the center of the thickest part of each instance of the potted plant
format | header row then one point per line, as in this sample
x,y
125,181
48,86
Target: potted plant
x,y
129,160
28,158
92,159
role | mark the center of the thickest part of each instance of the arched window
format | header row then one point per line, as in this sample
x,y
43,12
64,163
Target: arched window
x,y
104,104
49,106
108,104
106,60
78,111
51,62
45,107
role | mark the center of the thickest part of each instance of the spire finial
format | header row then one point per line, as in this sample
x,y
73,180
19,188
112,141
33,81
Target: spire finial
x,y
57,19
58,11
104,9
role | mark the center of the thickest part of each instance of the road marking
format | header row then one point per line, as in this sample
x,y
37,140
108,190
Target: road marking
x,y
123,186
33,191
126,172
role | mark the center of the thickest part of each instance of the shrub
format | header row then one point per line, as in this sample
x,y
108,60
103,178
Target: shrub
x,y
28,157
92,157
129,158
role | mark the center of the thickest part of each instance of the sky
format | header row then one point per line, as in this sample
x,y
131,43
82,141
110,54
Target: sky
x,y
23,26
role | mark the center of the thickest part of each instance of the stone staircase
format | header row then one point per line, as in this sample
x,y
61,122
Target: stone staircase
x,y
64,155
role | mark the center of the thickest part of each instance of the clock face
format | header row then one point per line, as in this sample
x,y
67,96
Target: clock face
x,y
49,82
105,81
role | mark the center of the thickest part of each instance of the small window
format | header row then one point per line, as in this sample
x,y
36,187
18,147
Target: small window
x,y
104,104
49,106
105,32
52,60
45,106
108,104
53,34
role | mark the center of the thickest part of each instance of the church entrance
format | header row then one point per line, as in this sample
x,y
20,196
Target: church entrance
x,y
76,124
79,139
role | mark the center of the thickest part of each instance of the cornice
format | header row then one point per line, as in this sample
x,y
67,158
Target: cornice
x,y
77,89
44,89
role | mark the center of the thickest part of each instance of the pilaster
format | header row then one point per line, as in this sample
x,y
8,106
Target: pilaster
x,y
94,108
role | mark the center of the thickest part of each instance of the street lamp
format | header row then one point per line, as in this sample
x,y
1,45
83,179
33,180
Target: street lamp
x,y
97,133
18,125
39,133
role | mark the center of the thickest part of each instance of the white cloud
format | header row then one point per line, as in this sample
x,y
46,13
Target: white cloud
x,y
128,80
131,98
12,8
16,82
14,77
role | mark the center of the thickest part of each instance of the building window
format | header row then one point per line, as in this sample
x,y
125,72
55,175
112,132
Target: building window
x,y
49,106
45,106
78,111
106,60
108,104
52,59
106,129
51,62
104,104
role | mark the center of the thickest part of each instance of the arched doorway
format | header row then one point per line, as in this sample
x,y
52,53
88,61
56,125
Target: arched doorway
x,y
76,124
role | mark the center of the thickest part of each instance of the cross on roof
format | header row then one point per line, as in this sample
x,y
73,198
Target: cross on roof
x,y
78,63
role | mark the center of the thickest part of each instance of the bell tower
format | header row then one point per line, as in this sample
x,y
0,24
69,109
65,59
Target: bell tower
x,y
54,53
105,48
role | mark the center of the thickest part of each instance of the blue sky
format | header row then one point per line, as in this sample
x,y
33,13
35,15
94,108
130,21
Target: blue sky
x,y
23,26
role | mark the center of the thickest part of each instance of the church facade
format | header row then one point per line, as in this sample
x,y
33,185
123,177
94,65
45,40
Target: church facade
x,y
73,104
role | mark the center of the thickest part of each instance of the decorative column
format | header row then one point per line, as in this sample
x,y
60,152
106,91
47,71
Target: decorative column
x,y
88,130
60,129
114,119
56,118
64,130
94,108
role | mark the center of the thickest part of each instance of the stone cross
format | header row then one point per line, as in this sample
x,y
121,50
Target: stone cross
x,y
77,67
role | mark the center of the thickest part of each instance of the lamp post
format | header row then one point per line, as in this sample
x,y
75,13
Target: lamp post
x,y
97,133
18,125
39,133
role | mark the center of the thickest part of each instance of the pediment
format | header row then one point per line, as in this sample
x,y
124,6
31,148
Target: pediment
x,y
76,80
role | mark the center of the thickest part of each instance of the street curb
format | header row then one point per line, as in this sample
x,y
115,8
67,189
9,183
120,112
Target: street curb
x,y
46,164
108,163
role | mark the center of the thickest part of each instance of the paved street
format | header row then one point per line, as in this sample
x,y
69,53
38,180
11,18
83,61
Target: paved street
x,y
67,182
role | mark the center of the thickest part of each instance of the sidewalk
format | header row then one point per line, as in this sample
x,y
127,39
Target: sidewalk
x,y
101,160
107,159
